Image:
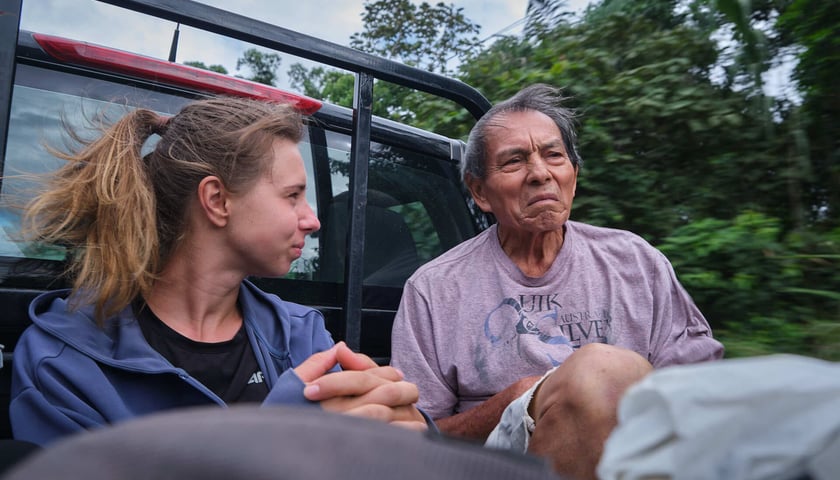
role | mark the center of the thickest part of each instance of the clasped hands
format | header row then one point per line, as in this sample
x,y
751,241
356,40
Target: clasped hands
x,y
362,388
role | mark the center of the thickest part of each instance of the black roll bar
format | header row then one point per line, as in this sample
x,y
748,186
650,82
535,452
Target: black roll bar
x,y
229,24
9,26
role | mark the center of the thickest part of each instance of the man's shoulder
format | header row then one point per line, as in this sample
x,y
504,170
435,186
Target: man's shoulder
x,y
597,232
621,245
606,236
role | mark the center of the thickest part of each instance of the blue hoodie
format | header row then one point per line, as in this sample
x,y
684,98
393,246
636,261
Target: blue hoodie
x,y
70,375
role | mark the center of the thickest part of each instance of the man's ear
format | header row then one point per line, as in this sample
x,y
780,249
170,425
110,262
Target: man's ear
x,y
476,188
214,200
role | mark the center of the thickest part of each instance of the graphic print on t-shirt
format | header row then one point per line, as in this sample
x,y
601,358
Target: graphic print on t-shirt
x,y
540,331
256,377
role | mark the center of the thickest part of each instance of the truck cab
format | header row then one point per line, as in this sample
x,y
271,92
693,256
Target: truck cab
x,y
388,196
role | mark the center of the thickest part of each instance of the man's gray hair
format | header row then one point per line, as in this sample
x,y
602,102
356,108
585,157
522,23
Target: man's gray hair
x,y
539,97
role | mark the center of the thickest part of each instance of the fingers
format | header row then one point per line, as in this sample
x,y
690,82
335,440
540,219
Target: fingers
x,y
389,394
388,373
350,360
320,363
394,395
405,417
317,365
416,425
350,383
362,388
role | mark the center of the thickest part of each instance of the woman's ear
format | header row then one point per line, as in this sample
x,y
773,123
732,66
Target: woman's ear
x,y
214,200
476,188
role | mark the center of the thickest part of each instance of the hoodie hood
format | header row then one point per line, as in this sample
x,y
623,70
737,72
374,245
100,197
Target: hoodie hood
x,y
119,342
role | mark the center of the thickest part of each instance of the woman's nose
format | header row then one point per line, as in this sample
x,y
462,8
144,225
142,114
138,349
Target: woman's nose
x,y
309,221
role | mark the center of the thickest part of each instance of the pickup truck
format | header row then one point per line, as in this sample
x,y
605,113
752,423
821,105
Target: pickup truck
x,y
389,196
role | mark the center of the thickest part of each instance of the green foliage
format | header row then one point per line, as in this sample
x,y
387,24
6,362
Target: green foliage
x,y
813,25
762,291
727,181
213,68
263,66
811,28
661,135
680,141
329,85
422,35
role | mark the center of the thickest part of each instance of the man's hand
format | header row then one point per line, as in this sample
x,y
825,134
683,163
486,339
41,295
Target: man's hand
x,y
362,388
478,422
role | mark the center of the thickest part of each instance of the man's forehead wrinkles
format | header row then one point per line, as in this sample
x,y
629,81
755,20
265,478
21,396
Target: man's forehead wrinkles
x,y
529,145
554,142
497,122
504,151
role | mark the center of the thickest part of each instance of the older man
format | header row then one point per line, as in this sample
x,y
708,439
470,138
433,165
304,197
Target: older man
x,y
533,329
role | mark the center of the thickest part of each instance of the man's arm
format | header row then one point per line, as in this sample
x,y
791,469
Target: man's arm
x,y
681,333
415,353
478,422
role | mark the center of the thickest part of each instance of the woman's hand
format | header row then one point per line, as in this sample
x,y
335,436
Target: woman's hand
x,y
362,388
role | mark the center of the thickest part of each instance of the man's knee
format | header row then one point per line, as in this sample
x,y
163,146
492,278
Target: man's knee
x,y
593,378
600,359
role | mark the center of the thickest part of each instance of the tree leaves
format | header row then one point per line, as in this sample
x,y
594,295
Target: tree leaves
x,y
421,35
681,143
263,66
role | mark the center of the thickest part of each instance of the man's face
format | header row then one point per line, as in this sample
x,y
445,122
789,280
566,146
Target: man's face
x,y
530,181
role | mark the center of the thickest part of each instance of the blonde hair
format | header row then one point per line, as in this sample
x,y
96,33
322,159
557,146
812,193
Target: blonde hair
x,y
121,215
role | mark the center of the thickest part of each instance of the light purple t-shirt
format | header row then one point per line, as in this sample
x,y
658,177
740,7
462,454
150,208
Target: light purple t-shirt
x,y
471,323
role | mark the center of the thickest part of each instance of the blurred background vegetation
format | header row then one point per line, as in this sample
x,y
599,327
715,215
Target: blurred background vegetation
x,y
685,137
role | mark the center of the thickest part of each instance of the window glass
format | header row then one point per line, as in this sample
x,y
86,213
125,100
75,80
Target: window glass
x,y
306,266
39,117
45,103
414,212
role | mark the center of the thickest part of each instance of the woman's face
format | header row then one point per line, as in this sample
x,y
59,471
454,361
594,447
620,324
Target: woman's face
x,y
270,221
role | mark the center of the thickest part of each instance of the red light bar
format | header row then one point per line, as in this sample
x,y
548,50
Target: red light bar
x,y
148,68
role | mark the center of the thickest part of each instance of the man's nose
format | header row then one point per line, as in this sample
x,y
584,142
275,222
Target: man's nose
x,y
538,170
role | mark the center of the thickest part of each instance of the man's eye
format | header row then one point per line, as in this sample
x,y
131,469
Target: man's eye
x,y
555,156
510,165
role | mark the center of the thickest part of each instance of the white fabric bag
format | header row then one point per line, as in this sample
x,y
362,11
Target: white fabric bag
x,y
773,417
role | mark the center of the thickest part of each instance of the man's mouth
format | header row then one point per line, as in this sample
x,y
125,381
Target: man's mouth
x,y
542,198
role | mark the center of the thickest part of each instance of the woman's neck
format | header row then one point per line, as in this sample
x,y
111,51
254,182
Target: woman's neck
x,y
197,301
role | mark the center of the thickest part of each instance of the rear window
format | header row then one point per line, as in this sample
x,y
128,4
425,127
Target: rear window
x,y
415,208
43,103
415,211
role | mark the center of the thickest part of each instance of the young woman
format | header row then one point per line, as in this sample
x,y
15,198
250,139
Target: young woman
x,y
160,315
